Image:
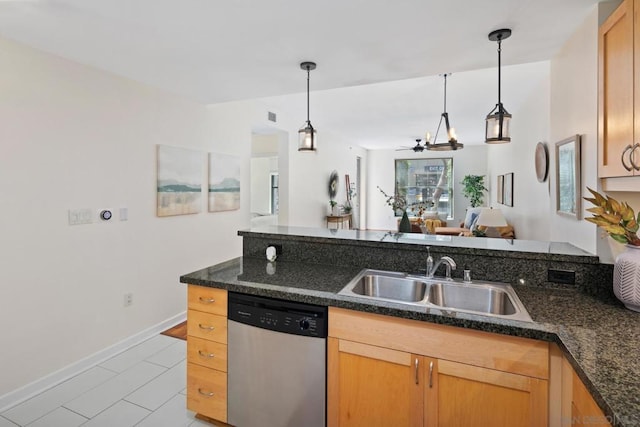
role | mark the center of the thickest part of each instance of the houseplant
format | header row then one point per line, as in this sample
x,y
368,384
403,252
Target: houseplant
x,y
621,223
473,189
398,203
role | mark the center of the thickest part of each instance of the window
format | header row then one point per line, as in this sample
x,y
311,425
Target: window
x,y
427,183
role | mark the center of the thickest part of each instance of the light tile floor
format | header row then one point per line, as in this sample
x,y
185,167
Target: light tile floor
x,y
142,386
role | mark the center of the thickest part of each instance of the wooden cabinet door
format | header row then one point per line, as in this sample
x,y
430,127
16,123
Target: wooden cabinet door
x,y
464,395
616,93
584,410
373,386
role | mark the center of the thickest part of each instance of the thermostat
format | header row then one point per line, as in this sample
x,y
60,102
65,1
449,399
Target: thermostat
x,y
105,215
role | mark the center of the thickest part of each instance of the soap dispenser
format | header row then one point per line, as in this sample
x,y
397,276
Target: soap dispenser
x,y
429,273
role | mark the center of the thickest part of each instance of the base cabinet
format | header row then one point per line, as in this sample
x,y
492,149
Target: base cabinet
x,y
572,404
386,371
207,352
465,395
375,385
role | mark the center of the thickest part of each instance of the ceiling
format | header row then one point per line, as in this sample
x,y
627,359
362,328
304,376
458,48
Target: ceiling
x,y
216,51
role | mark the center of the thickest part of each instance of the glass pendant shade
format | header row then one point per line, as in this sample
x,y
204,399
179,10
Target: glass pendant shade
x,y
498,122
307,135
307,138
497,126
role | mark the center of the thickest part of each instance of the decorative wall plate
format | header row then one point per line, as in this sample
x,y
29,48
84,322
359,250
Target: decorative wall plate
x,y
542,162
333,185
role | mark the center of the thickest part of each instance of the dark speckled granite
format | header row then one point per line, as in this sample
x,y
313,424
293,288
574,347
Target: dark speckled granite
x,y
599,337
499,260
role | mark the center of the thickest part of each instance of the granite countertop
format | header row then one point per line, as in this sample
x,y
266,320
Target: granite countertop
x,y
600,338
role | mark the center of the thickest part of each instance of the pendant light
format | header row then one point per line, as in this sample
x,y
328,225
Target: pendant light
x,y
307,135
452,143
497,129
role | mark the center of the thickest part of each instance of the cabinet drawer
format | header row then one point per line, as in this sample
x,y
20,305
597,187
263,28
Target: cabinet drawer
x,y
209,354
207,392
207,326
209,300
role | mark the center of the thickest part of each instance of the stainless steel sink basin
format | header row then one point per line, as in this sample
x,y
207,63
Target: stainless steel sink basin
x,y
486,298
481,298
390,286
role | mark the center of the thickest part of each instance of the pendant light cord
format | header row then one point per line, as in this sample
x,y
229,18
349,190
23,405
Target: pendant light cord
x,y
499,73
445,93
308,73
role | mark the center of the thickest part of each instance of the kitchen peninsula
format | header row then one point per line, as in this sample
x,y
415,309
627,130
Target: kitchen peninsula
x,y
595,334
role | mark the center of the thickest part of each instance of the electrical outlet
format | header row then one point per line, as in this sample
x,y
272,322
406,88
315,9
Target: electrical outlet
x,y
567,277
128,299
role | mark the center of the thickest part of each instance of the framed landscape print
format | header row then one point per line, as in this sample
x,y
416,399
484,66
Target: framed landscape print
x,y
508,189
568,200
500,189
179,181
224,182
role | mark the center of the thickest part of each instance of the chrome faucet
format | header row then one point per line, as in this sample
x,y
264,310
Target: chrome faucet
x,y
449,264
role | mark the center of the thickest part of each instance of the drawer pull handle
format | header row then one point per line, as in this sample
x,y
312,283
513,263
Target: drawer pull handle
x,y
207,328
417,378
632,157
207,300
431,375
207,355
205,393
624,164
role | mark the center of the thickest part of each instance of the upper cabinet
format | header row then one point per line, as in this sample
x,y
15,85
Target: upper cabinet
x,y
619,98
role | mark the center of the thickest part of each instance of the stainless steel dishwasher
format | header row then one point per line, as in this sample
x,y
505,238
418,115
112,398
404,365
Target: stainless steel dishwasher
x,y
277,354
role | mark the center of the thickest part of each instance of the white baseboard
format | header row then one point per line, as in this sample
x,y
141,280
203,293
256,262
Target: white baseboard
x,y
26,392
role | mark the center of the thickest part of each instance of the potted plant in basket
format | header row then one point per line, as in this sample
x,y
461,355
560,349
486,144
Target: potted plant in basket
x,y
621,223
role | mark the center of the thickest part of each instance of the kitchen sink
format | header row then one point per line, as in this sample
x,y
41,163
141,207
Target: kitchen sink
x,y
391,286
481,298
486,298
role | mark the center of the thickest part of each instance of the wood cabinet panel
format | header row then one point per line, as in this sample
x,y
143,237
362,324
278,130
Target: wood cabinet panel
x,y
500,352
207,326
465,395
584,410
617,103
208,300
373,386
207,392
209,354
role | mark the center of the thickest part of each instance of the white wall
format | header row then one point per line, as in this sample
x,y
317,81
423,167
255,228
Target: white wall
x,y
75,137
471,160
529,215
574,110
309,181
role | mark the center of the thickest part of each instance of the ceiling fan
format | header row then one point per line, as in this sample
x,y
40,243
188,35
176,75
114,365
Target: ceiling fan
x,y
418,148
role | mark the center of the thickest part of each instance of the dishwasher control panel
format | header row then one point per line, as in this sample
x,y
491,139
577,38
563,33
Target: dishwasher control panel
x,y
278,315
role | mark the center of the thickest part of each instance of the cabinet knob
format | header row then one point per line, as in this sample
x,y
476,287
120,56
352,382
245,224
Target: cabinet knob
x,y
205,393
207,355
